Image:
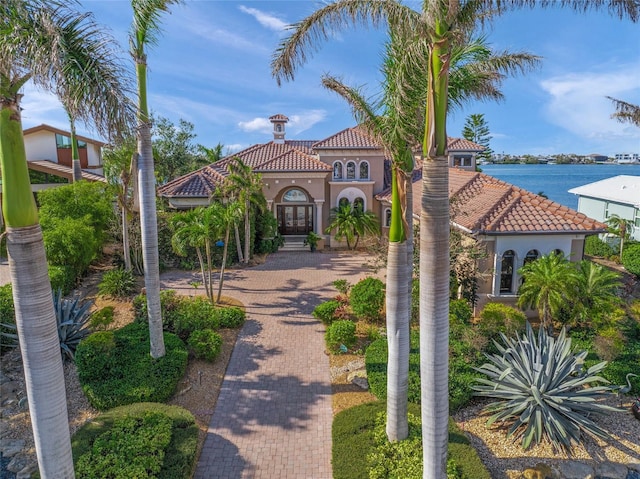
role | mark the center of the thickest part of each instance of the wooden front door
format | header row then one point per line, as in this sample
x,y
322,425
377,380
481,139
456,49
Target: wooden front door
x,y
295,219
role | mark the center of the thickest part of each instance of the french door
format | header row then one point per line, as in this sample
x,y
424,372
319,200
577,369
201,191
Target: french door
x,y
295,219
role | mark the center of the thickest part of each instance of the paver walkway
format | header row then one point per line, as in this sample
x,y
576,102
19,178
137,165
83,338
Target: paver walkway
x,y
273,416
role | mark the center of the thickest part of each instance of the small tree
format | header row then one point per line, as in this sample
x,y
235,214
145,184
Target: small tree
x,y
351,223
476,129
621,228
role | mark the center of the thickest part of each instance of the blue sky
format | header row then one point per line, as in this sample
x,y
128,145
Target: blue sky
x,y
211,66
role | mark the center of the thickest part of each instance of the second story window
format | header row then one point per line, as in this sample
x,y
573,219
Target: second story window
x,y
351,170
364,170
506,272
337,170
63,141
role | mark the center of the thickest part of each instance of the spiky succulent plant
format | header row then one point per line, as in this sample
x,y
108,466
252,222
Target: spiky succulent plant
x,y
543,389
72,316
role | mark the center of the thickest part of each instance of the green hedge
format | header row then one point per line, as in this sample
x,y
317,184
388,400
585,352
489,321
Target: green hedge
x,y
631,258
367,299
174,458
594,246
354,441
115,367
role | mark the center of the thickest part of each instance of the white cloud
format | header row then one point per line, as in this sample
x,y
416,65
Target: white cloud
x,y
261,125
578,102
266,20
40,107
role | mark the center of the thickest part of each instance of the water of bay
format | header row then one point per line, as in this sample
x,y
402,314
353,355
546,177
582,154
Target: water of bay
x,y
555,180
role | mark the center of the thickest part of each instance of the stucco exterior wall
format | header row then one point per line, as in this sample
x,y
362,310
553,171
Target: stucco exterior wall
x,y
375,160
601,210
41,145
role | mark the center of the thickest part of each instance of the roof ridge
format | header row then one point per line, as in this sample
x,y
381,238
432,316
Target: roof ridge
x,y
502,208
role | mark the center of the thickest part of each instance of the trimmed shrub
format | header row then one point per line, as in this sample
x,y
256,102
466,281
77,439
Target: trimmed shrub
x,y
118,283
460,311
367,299
594,246
115,367
497,318
194,314
102,318
62,278
631,258
169,303
325,312
354,442
231,316
126,436
205,344
72,243
340,333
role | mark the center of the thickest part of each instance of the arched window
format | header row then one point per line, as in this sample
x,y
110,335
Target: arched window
x,y
364,170
337,170
343,202
387,217
506,272
358,205
295,195
559,252
532,255
351,170
278,128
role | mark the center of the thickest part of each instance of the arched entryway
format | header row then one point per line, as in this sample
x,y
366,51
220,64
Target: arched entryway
x,y
295,213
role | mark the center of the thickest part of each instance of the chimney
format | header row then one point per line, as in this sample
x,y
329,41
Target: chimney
x,y
278,121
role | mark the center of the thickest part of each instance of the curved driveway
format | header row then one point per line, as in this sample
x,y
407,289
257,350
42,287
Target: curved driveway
x,y
273,416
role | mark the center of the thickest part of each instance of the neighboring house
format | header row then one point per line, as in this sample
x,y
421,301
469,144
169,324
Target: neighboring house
x,y
597,158
513,225
627,158
48,150
619,195
303,180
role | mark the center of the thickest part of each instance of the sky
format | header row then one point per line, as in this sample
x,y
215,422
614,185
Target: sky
x,y
211,67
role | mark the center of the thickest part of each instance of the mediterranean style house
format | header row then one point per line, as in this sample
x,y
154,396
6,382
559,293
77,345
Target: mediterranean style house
x,y
48,150
303,180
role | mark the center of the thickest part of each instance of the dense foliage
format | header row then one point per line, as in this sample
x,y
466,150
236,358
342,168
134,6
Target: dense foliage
x,y
594,246
8,335
325,312
115,367
367,299
142,440
631,258
340,334
118,283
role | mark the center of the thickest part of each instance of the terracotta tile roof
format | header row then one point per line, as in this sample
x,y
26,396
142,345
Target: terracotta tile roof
x,y
485,205
349,138
257,155
201,183
460,144
293,160
279,116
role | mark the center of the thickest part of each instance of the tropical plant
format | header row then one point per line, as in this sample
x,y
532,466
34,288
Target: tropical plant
x,y
435,30
118,283
228,215
40,42
626,112
312,240
548,285
597,291
195,228
72,316
245,186
205,343
543,389
144,32
631,259
621,227
351,223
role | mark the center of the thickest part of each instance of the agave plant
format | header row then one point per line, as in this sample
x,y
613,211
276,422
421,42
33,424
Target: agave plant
x,y
543,389
72,316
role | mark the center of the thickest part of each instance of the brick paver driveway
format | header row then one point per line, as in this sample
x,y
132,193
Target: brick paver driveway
x,y
273,416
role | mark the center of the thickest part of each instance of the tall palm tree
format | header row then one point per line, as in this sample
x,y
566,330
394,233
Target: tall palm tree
x,y
230,214
437,26
245,186
144,32
32,48
620,227
548,284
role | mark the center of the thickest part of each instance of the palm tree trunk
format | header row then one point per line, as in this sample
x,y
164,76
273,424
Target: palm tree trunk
x,y
247,230
35,316
224,261
207,247
238,243
398,342
125,240
434,262
75,154
202,271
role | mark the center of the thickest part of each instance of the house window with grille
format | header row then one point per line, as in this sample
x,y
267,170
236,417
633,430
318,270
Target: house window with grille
x,y
364,170
351,170
506,271
337,170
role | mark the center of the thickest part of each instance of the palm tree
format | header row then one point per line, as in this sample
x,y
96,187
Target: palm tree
x,y
230,214
144,31
35,46
620,227
626,112
246,186
548,284
196,228
596,290
118,169
350,223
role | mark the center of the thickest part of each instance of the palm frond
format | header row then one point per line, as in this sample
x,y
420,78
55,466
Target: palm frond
x,y
147,16
626,112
